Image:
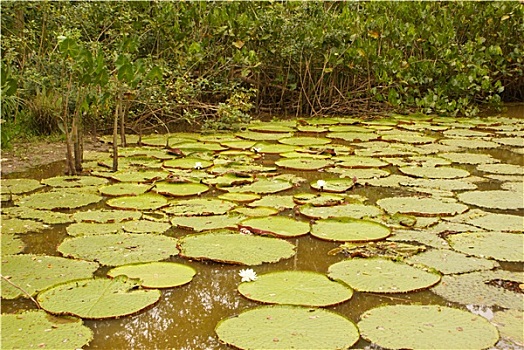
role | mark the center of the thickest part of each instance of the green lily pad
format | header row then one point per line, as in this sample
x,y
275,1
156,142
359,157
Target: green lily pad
x,y
426,327
369,173
465,133
357,211
93,228
98,298
199,207
272,127
204,223
156,274
272,148
318,199
74,181
440,172
263,186
352,136
333,185
440,184
238,144
146,201
495,199
145,226
188,147
13,226
58,200
360,162
119,249
503,246
515,186
269,327
239,197
124,189
46,216
19,186
188,163
303,163
476,288
312,128
469,158
420,236
256,211
349,230
234,248
304,288
140,176
37,272
263,136
279,226
469,143
304,141
449,262
349,128
498,222
421,206
35,329
508,169
510,324
180,189
280,202
106,216
229,180
410,137
11,244
382,276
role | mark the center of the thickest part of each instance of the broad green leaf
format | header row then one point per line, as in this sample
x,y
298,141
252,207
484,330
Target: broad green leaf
x,y
304,288
19,186
352,136
145,226
199,207
318,199
279,226
12,226
381,276
303,163
180,189
263,186
37,272
144,176
280,202
275,148
125,189
426,327
440,184
239,197
495,199
74,181
439,172
93,228
359,162
58,200
469,158
188,163
369,173
421,206
269,327
503,246
98,298
349,230
35,329
146,201
106,216
304,141
156,274
449,262
469,143
357,211
210,222
234,248
46,216
510,324
498,222
263,136
119,249
333,185
11,244
272,127
255,211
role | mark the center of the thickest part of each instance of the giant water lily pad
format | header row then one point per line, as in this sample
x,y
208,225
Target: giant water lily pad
x,y
93,228
421,206
235,248
269,327
369,173
156,274
508,169
272,127
37,272
304,141
229,180
502,246
140,176
273,148
280,226
119,249
352,136
256,211
239,197
46,216
426,327
382,276
204,223
11,244
74,181
35,329
333,185
318,199
19,186
357,211
280,202
146,201
188,163
263,136
440,172
360,162
510,324
199,206
106,216
349,230
98,298
440,184
478,288
303,163
449,262
420,236
58,200
305,288
124,189
495,199
15,225
499,222
469,158
180,189
469,143
262,185
145,226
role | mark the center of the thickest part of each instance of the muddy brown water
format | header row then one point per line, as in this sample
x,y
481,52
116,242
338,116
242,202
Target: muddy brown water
x,y
185,317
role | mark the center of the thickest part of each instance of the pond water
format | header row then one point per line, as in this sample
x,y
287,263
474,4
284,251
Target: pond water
x,y
186,316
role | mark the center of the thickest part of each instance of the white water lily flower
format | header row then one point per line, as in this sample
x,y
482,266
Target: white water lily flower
x,y
198,165
321,183
248,275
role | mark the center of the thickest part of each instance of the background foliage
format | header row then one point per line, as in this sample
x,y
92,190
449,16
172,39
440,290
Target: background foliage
x,y
213,64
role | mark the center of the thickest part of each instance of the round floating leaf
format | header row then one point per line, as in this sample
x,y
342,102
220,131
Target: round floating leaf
x,y
347,128
145,226
240,197
269,327
360,162
407,137
263,136
272,127
426,327
333,185
352,136
502,246
46,216
119,249
180,189
140,176
510,324
74,181
349,230
58,200
156,274
124,189
440,184
235,248
305,288
273,148
106,216
19,186
440,172
199,207
421,206
256,211
93,228
424,237
204,223
370,173
146,201
493,199
382,276
280,226
469,158
304,141
12,226
303,163
262,185
98,298
274,201
448,262
199,147
37,272
478,288
35,329
238,144
318,199
356,211
188,163
11,244
229,180
498,222
508,169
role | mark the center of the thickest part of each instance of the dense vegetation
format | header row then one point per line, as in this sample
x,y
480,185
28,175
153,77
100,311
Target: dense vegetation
x,y
68,65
